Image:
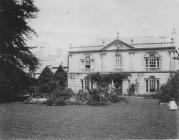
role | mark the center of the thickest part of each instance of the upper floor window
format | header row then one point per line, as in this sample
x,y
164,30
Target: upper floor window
x,y
152,61
118,62
87,62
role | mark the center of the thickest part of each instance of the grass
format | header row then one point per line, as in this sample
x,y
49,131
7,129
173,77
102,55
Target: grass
x,y
140,118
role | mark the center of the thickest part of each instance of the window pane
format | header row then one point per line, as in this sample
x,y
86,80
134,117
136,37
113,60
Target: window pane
x,y
86,83
158,85
152,62
117,61
147,86
87,63
152,85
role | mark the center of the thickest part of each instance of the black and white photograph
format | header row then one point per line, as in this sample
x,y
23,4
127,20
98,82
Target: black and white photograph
x,y
89,69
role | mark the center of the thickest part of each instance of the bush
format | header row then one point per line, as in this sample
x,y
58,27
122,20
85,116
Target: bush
x,y
83,97
170,89
164,95
115,98
99,96
131,89
57,102
60,97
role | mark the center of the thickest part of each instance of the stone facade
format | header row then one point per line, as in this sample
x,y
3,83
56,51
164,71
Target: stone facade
x,y
149,64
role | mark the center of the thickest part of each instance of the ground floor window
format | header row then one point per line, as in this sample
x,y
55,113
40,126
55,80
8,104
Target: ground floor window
x,y
152,84
87,83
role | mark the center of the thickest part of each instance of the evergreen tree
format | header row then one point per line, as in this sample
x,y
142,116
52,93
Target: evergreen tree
x,y
46,82
46,76
61,77
15,55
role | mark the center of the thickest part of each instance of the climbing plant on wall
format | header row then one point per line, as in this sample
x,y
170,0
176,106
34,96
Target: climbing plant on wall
x,y
103,80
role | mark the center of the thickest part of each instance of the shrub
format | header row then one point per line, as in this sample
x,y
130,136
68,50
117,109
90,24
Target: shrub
x,y
131,89
60,97
83,98
57,102
164,95
99,96
170,89
115,98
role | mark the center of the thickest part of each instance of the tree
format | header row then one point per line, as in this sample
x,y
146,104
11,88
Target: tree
x,y
61,77
46,76
170,89
46,83
15,55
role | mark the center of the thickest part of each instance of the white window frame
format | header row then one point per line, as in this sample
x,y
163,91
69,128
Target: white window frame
x,y
152,84
87,63
87,83
152,62
118,62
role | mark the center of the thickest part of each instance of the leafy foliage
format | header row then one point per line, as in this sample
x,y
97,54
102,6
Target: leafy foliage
x,y
46,83
49,82
99,96
131,89
46,76
170,89
14,30
15,55
61,77
104,80
59,98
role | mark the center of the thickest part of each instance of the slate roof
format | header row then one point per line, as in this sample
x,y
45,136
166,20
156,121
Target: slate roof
x,y
145,42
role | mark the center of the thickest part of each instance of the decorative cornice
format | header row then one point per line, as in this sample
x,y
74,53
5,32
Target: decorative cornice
x,y
139,72
125,50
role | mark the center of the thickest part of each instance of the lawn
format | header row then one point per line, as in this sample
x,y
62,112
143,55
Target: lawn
x,y
140,118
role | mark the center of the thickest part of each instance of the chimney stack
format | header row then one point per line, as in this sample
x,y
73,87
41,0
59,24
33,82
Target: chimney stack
x,y
174,37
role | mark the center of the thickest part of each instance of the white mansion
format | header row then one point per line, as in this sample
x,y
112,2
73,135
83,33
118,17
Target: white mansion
x,y
149,60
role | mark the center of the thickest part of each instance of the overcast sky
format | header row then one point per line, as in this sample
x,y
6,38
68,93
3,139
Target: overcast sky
x,y
61,22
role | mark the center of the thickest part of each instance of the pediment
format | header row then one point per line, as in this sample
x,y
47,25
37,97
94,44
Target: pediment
x,y
117,45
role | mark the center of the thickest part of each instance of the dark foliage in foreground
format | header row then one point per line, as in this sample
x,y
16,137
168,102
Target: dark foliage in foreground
x,y
50,83
60,77
170,89
60,98
16,59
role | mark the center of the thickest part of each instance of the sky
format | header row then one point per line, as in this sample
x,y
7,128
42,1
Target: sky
x,y
78,22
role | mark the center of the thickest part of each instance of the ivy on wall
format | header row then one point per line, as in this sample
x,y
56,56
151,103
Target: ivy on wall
x,y
103,80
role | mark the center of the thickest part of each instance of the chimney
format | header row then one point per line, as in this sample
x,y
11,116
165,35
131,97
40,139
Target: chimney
x,y
174,37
